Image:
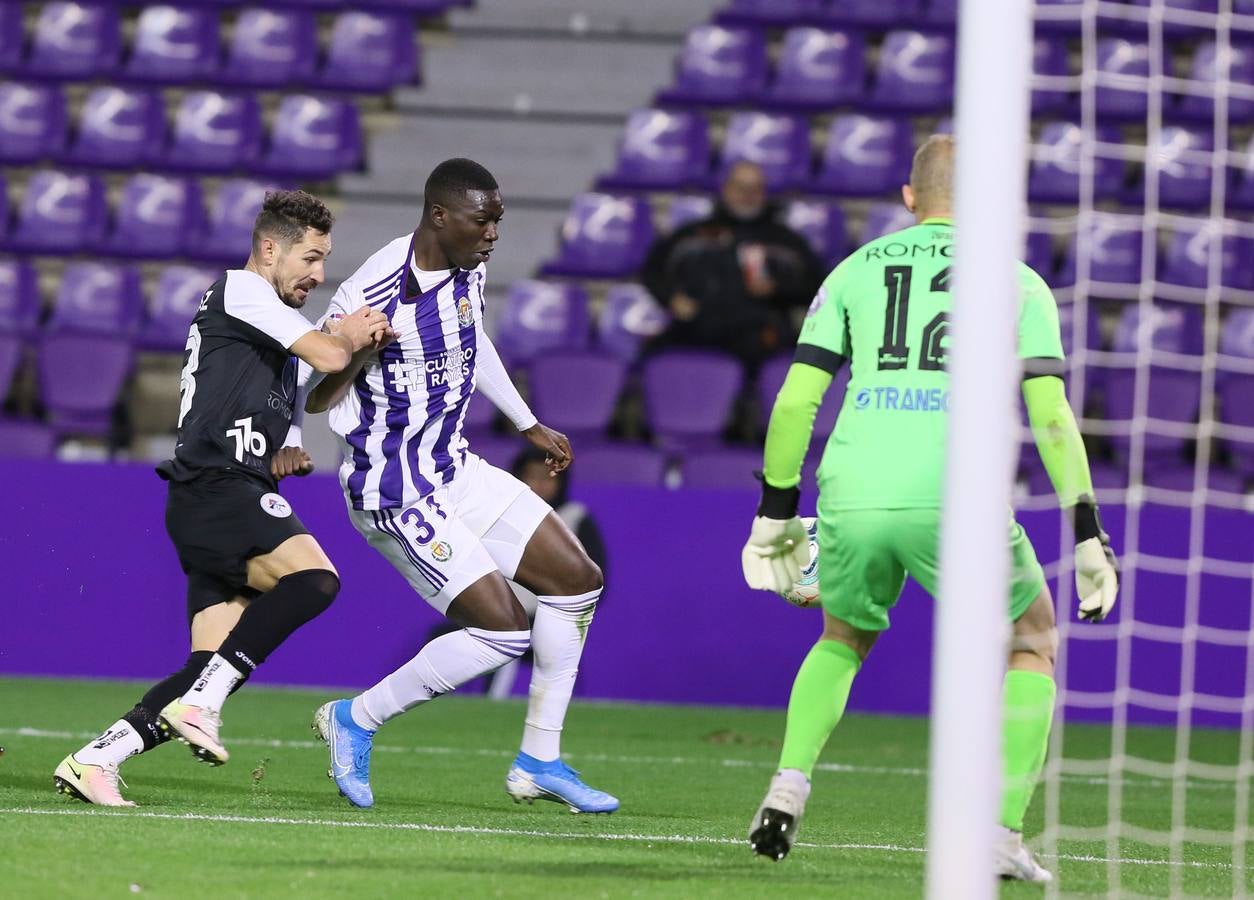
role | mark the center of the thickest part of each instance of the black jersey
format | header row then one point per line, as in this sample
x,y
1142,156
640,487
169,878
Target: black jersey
x,y
238,382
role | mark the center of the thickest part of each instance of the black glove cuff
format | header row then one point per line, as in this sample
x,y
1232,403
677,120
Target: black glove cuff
x,y
777,503
1087,523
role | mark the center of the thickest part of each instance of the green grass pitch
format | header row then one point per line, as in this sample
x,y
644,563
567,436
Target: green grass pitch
x,y
270,824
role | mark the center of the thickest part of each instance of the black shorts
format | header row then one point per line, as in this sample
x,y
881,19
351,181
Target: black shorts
x,y
218,521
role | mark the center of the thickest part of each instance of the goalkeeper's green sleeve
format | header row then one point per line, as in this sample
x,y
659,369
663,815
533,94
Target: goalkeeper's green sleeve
x,y
1058,439
792,421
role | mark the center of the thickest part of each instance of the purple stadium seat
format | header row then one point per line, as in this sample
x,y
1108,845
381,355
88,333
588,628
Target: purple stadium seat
x,y
272,48
604,236
1049,58
779,144
865,156
943,13
1054,16
1206,68
1241,181
369,52
97,299
687,208
660,150
618,463
915,73
80,378
119,127
1184,477
818,69
576,392
497,450
32,122
19,297
884,218
156,217
1187,260
882,13
1174,391
1185,166
726,467
769,12
313,138
1055,172
823,225
215,132
1114,247
541,316
411,7
231,215
60,213
771,378
23,439
719,65
12,349
172,307
74,41
629,318
688,395
1236,385
1123,70
174,45
11,37
1038,253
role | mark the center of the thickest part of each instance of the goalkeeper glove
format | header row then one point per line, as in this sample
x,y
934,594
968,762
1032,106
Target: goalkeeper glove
x,y
1096,569
778,547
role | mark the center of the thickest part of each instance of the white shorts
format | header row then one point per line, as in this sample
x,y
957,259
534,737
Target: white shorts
x,y
443,544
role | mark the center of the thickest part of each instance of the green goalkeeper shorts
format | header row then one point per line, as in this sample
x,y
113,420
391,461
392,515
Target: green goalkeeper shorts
x,y
865,555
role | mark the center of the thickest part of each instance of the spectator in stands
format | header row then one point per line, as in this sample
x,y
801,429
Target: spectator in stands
x,y
737,281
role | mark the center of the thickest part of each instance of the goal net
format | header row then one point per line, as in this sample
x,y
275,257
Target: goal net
x,y
1141,193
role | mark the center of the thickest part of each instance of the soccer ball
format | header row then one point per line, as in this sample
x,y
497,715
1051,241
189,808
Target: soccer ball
x,y
805,590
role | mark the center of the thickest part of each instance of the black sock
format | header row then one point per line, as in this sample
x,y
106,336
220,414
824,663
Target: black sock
x,y
273,616
143,717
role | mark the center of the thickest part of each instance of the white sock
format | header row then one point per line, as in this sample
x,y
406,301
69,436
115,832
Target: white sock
x,y
213,685
441,666
557,637
119,742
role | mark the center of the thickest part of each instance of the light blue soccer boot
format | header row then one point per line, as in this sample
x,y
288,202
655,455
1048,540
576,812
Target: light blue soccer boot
x,y
350,747
529,780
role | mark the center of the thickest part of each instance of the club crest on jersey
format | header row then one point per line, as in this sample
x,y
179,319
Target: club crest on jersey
x,y
817,303
274,505
442,551
465,312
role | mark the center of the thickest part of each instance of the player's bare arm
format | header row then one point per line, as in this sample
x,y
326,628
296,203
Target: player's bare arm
x,y
332,353
331,390
553,443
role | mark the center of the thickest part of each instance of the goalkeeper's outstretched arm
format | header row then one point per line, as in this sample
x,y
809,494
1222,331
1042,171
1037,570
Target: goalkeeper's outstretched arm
x,y
777,548
1062,451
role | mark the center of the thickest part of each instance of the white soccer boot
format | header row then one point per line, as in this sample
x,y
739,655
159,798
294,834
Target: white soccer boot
x,y
1013,861
91,784
775,824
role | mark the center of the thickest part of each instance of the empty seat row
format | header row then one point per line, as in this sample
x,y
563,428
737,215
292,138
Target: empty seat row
x,y
271,48
156,217
213,132
866,155
819,69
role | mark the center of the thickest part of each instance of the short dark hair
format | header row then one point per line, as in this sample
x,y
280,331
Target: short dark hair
x,y
453,178
285,215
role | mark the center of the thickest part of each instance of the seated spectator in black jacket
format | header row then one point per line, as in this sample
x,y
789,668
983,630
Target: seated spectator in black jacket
x,y
737,281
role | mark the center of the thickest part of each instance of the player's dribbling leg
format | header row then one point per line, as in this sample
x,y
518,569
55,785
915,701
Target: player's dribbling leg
x,y
299,583
567,585
815,707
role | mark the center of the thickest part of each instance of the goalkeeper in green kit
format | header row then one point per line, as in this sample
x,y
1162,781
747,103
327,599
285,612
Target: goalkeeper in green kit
x,y
884,311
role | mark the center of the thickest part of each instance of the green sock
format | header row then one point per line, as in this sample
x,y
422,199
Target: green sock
x,y
818,701
1028,712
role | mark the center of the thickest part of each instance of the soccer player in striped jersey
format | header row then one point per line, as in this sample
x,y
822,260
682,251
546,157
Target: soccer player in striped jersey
x,y
885,310
453,525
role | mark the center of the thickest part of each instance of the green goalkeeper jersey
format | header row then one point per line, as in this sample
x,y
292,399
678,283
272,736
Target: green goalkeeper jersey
x,y
886,309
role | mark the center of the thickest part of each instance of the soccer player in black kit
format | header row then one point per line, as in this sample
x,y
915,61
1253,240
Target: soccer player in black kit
x,y
254,573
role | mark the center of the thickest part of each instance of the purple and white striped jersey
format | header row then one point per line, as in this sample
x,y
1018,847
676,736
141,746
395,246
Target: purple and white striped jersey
x,y
400,423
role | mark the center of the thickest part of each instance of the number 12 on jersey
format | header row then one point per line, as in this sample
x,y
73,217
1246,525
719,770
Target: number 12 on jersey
x,y
894,352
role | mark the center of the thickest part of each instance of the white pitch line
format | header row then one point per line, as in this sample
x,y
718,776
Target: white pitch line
x,y
535,833
840,768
